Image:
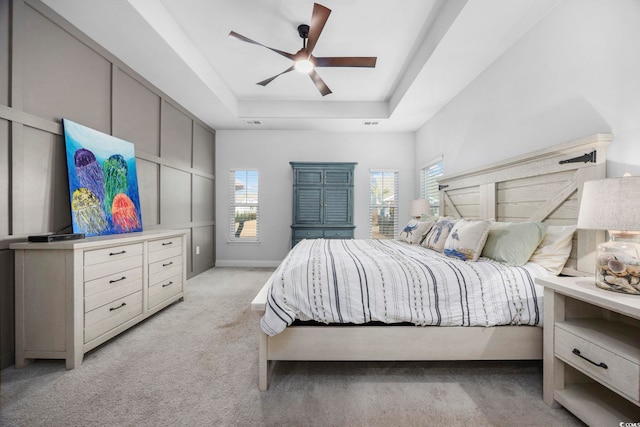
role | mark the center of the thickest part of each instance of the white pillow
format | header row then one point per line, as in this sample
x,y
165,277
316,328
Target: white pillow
x,y
415,231
555,248
467,238
437,236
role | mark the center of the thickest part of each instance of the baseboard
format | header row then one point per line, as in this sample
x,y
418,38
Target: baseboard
x,y
246,263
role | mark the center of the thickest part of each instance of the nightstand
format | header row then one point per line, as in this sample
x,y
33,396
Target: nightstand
x,y
591,351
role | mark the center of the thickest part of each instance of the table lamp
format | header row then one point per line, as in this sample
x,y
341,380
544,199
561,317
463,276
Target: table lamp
x,y
613,204
419,207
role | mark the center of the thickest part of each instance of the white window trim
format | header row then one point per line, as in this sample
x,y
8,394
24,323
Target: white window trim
x,y
231,239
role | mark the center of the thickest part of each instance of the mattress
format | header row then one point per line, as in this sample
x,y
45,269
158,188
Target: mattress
x,y
393,282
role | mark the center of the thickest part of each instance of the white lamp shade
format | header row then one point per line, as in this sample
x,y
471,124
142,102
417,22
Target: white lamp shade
x,y
611,204
419,207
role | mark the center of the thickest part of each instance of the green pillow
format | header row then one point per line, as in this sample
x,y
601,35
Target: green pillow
x,y
513,242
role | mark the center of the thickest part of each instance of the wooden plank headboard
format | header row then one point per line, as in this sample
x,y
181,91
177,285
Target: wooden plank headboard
x,y
538,186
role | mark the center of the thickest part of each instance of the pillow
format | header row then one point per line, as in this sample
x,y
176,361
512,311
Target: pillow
x,y
513,242
428,218
555,248
438,234
414,231
467,239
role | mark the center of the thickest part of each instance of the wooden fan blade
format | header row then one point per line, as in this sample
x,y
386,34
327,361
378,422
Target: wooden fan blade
x,y
318,19
320,84
270,79
240,37
347,61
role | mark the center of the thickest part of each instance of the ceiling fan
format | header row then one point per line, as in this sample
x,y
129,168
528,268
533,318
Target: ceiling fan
x,y
303,60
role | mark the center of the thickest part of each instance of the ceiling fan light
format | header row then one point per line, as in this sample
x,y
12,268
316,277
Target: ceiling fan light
x,y
303,65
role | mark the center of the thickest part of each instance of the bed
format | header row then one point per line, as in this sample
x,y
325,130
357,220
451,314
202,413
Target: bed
x,y
543,187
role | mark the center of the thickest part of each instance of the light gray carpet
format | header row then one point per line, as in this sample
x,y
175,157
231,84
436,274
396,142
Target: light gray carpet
x,y
195,364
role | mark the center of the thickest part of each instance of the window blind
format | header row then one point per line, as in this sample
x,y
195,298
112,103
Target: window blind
x,y
383,206
244,210
429,185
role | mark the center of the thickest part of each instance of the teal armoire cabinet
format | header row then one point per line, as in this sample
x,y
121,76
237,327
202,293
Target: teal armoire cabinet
x,y
322,201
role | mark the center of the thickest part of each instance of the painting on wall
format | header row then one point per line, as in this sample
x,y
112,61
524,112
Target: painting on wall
x,y
103,182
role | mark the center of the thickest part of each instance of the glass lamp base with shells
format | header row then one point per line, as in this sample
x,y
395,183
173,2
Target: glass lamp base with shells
x,y
618,265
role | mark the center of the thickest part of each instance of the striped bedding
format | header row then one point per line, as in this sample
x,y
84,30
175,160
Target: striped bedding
x,y
365,280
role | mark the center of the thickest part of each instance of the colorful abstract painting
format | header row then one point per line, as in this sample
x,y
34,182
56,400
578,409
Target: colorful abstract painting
x,y
103,183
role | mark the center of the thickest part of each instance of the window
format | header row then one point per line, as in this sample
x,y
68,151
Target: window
x,y
383,208
429,185
243,189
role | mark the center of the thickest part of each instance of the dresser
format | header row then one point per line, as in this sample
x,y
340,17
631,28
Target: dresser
x,y
322,201
591,351
72,296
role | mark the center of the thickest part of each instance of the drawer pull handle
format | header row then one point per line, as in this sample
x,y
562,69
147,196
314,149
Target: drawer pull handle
x,y
601,364
118,280
117,253
167,243
115,308
167,264
167,284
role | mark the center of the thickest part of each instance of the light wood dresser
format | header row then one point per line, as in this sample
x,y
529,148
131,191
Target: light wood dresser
x,y
72,296
591,351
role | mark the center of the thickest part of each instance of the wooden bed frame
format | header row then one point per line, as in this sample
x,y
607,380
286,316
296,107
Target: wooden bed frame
x,y
540,186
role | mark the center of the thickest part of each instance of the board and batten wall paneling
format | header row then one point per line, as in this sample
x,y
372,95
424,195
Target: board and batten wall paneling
x,y
203,203
136,113
148,184
5,163
176,135
4,52
49,70
203,249
203,149
63,77
45,183
175,196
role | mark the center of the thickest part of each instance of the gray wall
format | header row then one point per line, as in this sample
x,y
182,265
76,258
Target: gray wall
x,y
49,70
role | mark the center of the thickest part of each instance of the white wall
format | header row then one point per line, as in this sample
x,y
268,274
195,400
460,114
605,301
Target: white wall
x,y
271,151
577,72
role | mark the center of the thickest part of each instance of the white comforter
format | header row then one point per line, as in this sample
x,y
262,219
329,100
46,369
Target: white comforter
x,y
359,281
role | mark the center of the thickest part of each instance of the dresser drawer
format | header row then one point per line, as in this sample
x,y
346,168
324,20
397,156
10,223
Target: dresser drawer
x,y
98,256
307,234
165,274
338,234
109,316
164,290
102,291
621,374
164,248
111,261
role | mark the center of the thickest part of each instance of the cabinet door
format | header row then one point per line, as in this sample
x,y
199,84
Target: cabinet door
x,y
337,205
308,205
338,177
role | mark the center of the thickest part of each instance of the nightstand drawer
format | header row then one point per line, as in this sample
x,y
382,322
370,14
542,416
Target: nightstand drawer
x,y
621,373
